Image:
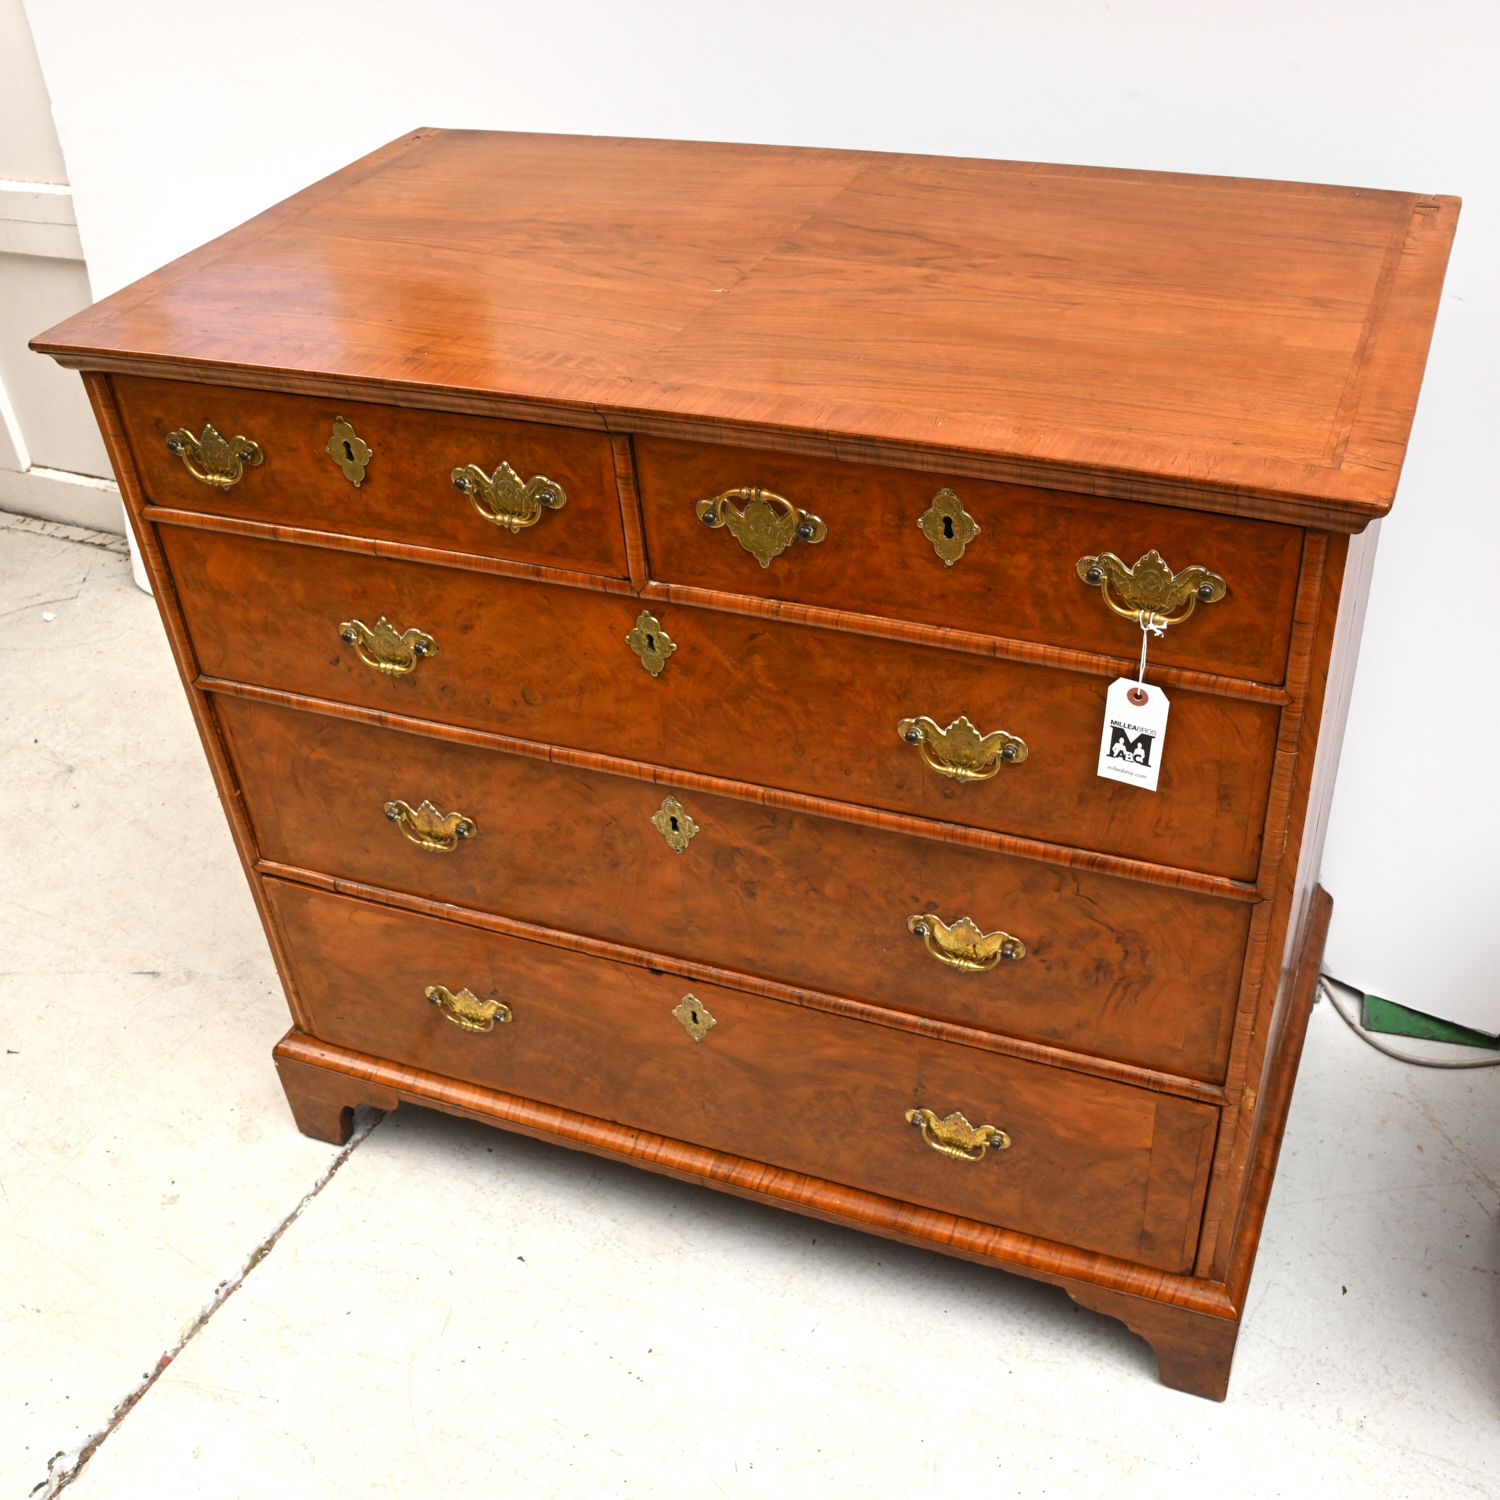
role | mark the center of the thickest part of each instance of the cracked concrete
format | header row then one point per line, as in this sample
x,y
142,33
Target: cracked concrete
x,y
197,1301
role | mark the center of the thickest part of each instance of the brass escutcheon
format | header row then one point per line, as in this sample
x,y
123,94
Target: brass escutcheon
x,y
674,824
504,500
349,451
212,460
650,642
758,526
1150,591
693,1014
466,1010
955,1137
960,751
948,526
385,648
963,946
428,828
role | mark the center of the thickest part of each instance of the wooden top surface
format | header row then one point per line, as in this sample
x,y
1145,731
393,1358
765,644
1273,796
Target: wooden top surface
x,y
1240,339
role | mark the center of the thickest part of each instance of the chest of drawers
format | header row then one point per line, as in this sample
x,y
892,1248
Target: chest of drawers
x,y
649,609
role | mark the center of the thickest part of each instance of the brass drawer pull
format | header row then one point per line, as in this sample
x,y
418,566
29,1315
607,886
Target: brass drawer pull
x,y
385,648
948,526
960,751
957,1138
502,499
212,460
428,828
1150,591
763,530
963,946
466,1010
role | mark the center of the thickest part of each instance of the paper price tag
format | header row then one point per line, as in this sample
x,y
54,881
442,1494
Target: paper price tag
x,y
1135,728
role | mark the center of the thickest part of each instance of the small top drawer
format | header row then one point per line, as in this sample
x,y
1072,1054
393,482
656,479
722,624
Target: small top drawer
x,y
890,542
398,474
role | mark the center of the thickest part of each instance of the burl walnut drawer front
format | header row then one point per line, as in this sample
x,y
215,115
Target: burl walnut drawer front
x,y
557,505
1139,973
752,700
901,544
1092,1163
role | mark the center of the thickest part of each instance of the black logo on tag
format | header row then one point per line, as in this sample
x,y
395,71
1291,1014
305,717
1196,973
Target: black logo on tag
x,y
1134,748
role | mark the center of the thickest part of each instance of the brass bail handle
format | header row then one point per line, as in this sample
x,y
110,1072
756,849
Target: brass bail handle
x,y
963,946
429,828
1149,592
504,499
955,1137
212,459
466,1010
960,751
385,648
763,523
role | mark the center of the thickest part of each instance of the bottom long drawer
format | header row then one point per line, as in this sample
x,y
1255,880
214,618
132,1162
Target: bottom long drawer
x,y
1094,1163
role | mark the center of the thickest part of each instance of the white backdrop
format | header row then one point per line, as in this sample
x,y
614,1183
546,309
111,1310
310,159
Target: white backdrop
x,y
180,119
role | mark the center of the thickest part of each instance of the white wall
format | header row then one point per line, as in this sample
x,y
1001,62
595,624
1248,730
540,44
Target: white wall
x,y
179,120
51,457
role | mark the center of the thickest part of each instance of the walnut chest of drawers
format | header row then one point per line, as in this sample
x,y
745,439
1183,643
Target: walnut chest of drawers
x,y
649,609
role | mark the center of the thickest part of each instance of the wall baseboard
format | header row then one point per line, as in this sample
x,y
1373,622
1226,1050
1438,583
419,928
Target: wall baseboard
x,y
72,499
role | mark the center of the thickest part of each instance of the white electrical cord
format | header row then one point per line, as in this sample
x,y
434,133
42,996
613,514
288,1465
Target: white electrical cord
x,y
1406,1057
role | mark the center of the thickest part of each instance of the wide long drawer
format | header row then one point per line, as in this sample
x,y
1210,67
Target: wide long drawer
x,y
994,559
303,472
1138,973
753,700
1093,1163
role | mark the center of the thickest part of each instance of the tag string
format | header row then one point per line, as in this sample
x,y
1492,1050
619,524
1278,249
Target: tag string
x,y
1149,627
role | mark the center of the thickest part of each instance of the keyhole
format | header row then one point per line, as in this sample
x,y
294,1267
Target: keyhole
x,y
349,454
696,1021
674,825
651,643
947,525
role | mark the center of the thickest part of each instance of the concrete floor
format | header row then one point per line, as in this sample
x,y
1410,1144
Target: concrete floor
x,y
453,1311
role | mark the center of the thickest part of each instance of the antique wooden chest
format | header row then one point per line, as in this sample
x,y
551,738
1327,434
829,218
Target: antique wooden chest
x,y
652,610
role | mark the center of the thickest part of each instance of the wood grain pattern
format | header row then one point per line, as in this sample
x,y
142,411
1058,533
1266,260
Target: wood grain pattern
x,y
1191,1322
1151,1079
1000,648
743,791
778,1083
1016,579
1234,336
407,494
1144,975
756,701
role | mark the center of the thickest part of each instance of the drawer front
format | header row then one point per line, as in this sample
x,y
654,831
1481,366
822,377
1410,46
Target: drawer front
x,y
1018,577
1137,973
1093,1163
407,492
758,701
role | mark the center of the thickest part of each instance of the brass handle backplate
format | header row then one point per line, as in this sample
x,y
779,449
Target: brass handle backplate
x,y
210,458
960,751
765,525
385,648
957,1138
503,499
963,946
466,1010
428,828
1150,591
